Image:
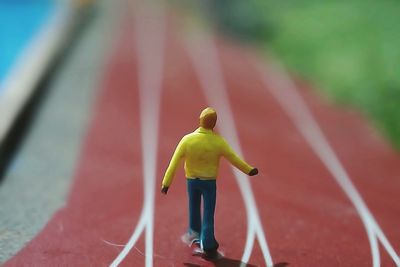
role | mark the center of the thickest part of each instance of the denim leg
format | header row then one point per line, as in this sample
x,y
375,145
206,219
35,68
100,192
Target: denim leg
x,y
194,206
207,237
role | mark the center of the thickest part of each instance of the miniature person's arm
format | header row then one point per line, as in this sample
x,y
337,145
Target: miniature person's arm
x,y
174,163
236,161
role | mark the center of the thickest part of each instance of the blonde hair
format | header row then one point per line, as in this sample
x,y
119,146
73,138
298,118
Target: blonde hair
x,y
208,118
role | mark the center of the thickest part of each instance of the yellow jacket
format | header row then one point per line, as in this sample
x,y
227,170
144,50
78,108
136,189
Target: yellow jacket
x,y
201,151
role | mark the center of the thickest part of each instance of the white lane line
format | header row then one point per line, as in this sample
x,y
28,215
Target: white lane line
x,y
286,93
204,55
150,27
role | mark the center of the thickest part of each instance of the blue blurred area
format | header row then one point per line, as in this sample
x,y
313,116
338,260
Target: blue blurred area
x,y
20,21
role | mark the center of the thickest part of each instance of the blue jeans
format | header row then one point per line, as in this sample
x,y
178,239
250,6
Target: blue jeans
x,y
207,189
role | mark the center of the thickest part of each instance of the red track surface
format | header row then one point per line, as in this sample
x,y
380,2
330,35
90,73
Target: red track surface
x,y
307,219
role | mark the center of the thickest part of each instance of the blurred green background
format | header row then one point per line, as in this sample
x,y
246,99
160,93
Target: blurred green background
x,y
349,50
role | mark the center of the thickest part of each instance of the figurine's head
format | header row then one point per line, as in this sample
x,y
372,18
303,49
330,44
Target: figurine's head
x,y
208,118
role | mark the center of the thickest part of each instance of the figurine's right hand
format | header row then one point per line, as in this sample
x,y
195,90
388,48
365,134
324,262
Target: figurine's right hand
x,y
164,190
253,172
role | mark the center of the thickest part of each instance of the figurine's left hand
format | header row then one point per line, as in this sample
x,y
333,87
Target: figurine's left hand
x,y
164,190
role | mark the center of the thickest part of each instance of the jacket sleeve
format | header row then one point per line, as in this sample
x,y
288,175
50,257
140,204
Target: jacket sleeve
x,y
174,163
234,159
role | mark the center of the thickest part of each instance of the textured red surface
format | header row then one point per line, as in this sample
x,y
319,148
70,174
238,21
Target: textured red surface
x,y
307,219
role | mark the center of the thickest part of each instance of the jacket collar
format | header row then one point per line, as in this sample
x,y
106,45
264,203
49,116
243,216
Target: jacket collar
x,y
204,130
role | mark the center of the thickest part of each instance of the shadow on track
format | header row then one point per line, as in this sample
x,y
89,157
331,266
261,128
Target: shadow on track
x,y
226,262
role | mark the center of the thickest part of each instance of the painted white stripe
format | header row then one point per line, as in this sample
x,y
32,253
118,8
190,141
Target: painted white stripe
x,y
286,93
204,55
150,27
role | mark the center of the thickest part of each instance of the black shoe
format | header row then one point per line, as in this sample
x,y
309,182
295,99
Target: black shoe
x,y
211,254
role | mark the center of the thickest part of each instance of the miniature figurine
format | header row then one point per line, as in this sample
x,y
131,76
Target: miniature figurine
x,y
201,152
